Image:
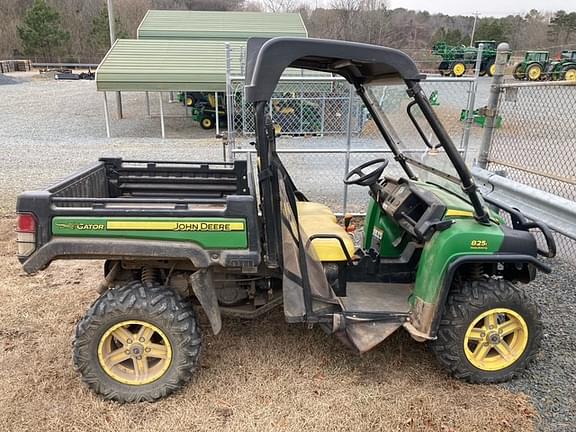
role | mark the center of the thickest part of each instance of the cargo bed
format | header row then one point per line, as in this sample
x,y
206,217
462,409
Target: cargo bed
x,y
122,201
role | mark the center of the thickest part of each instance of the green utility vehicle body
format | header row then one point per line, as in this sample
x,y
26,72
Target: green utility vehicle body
x,y
239,240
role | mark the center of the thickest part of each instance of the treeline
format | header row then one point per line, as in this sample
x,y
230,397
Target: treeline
x,y
77,30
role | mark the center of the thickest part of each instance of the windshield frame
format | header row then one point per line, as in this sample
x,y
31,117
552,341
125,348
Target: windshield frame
x,y
417,95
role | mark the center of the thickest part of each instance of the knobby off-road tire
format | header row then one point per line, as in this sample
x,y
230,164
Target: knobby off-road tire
x,y
166,316
467,302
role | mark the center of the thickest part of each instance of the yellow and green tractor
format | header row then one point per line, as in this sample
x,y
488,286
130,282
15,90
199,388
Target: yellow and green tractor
x,y
457,60
537,66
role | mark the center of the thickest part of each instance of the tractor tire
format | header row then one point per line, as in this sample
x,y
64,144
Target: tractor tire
x,y
569,74
457,69
444,68
490,68
137,343
518,73
534,72
207,123
507,341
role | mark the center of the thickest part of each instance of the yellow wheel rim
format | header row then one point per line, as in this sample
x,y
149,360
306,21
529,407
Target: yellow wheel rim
x,y
134,352
534,73
492,69
570,75
459,69
496,339
277,129
207,123
189,101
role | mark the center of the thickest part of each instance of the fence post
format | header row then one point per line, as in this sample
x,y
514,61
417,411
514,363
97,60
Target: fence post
x,y
471,101
348,145
492,108
229,106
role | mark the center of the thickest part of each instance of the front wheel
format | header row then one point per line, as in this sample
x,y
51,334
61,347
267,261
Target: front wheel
x,y
534,72
569,74
458,69
137,343
490,331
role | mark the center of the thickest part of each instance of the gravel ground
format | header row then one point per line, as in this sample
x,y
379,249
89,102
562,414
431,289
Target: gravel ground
x,y
48,129
551,381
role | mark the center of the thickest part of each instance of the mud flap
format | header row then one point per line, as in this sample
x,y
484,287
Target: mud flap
x,y
203,287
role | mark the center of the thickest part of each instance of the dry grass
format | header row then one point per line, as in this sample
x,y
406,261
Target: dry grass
x,y
259,375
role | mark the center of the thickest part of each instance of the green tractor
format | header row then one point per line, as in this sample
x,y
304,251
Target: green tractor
x,y
537,66
533,67
204,112
182,238
190,99
564,68
292,115
456,60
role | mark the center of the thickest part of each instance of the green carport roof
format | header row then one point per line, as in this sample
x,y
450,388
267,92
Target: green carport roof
x,y
173,65
167,65
225,26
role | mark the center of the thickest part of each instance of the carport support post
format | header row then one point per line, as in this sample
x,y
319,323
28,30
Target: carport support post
x,y
112,28
148,104
348,145
217,115
106,115
492,108
230,128
161,115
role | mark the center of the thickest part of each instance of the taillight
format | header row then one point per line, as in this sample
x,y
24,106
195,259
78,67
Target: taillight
x,y
26,234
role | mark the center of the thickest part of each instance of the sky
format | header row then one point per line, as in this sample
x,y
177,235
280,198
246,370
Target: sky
x,y
484,7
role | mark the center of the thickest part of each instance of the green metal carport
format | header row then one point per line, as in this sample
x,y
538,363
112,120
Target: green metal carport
x,y
186,51
224,26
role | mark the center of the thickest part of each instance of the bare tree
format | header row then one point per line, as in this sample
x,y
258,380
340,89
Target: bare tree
x,y
280,5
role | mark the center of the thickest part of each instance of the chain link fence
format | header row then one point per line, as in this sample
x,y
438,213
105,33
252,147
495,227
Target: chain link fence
x,y
323,130
536,144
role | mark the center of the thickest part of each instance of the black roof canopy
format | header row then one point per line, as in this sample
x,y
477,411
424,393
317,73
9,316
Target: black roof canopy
x,y
358,63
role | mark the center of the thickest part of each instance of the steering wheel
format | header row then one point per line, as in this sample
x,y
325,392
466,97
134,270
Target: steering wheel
x,y
363,178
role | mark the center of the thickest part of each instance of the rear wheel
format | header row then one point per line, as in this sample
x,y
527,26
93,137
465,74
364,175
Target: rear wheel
x,y
137,343
489,333
444,68
569,74
518,72
534,72
207,123
491,68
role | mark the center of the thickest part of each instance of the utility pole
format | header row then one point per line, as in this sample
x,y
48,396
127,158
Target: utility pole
x,y
474,28
112,25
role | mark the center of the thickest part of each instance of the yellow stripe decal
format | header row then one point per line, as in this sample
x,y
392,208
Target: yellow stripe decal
x,y
454,212
174,226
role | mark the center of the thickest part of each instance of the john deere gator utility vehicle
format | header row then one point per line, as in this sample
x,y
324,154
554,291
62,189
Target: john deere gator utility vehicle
x,y
434,259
